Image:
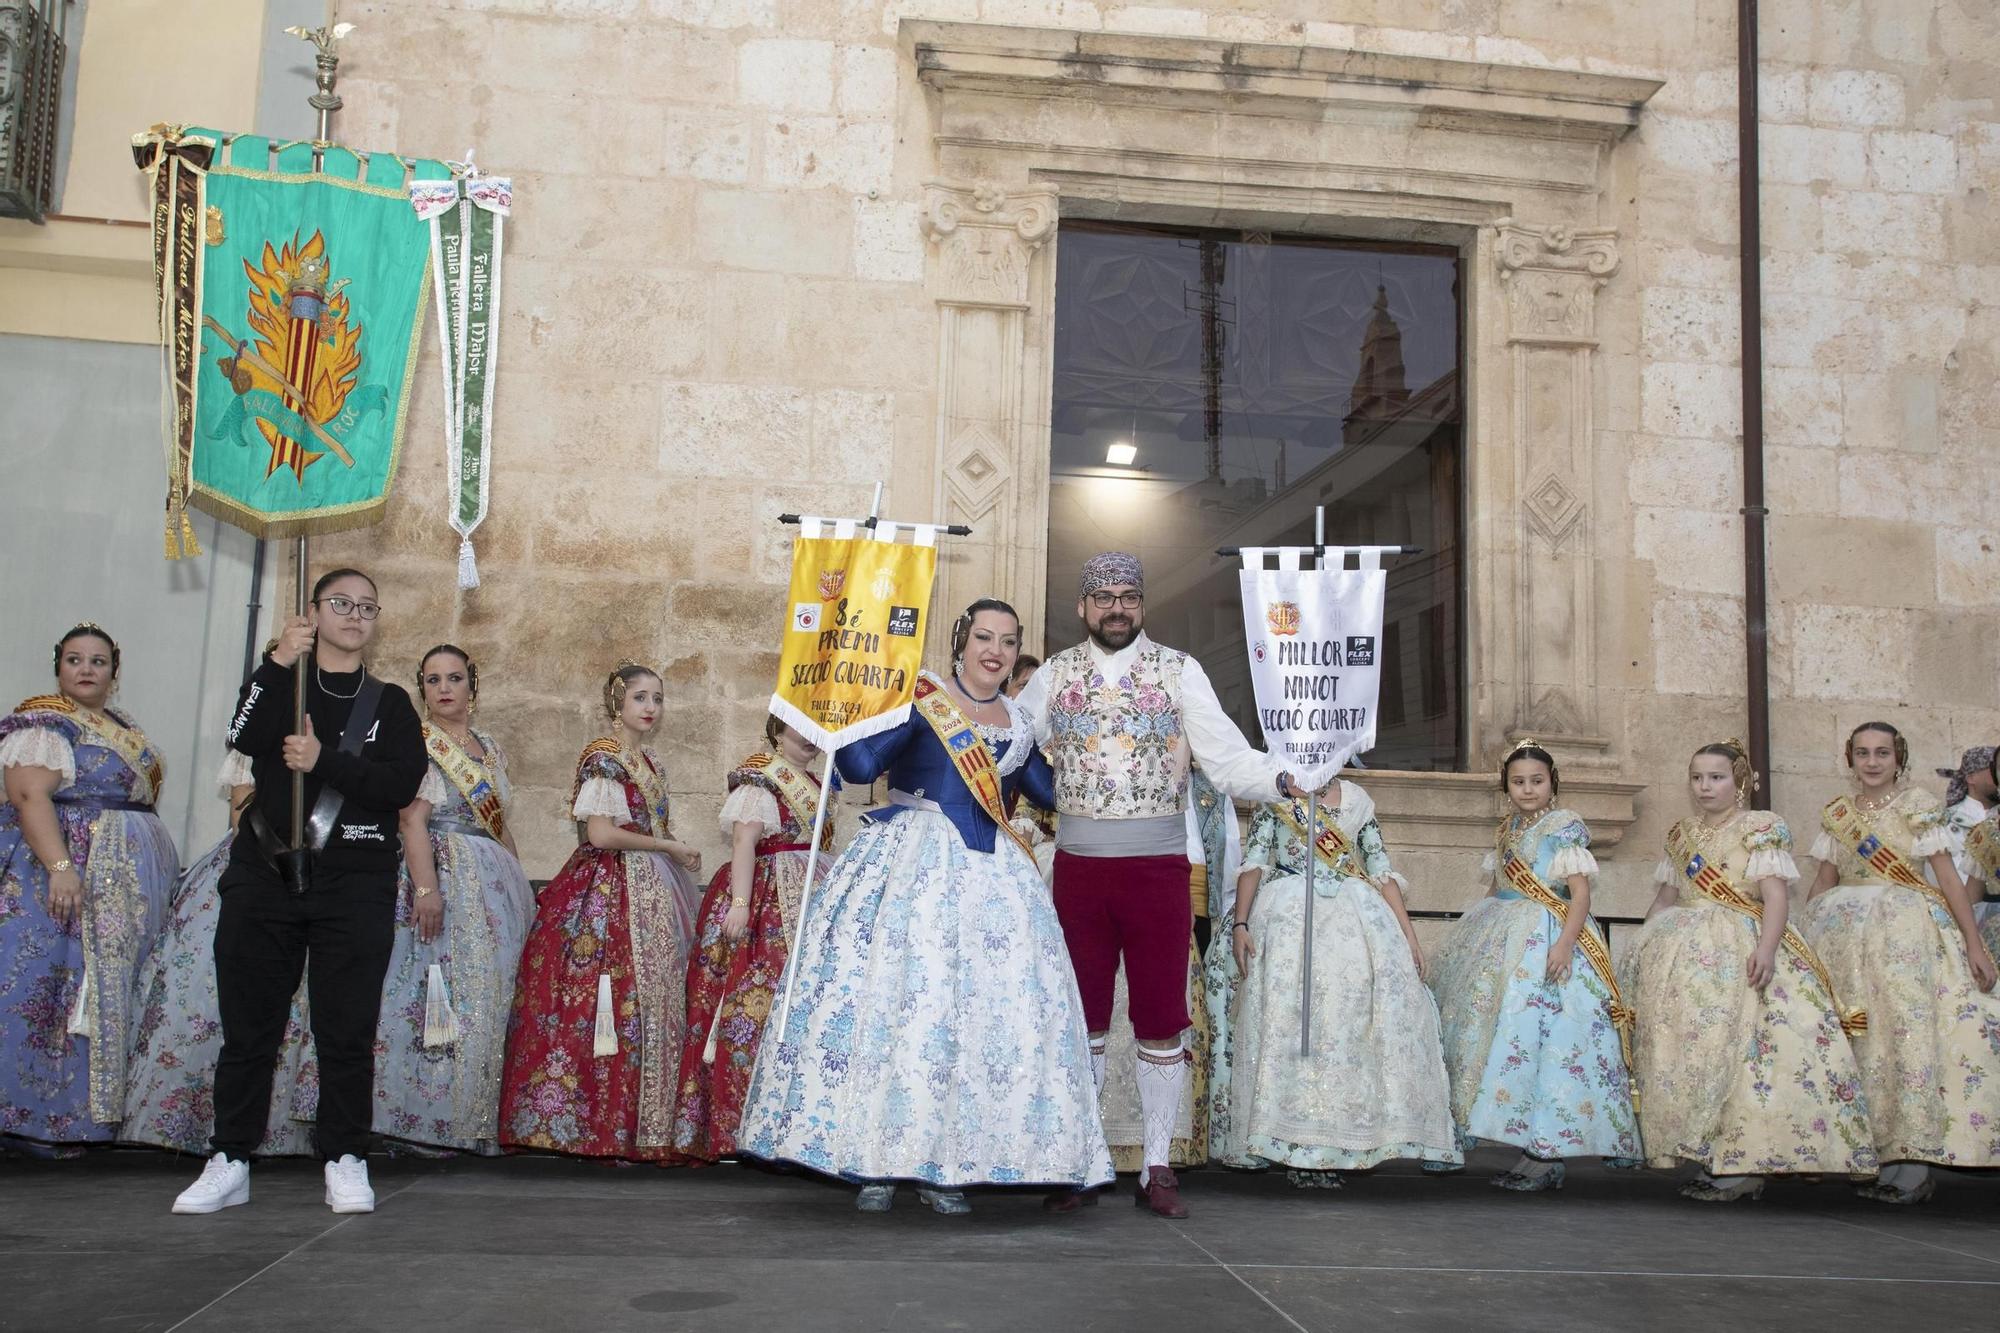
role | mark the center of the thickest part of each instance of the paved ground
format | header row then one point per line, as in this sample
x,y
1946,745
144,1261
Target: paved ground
x,y
541,1244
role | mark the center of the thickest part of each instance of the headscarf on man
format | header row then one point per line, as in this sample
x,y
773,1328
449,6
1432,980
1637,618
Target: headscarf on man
x,y
1978,759
1109,570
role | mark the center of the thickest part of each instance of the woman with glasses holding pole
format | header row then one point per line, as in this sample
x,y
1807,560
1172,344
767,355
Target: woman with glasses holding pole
x,y
328,914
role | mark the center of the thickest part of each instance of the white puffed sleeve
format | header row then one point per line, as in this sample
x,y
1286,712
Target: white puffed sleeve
x,y
432,788
1824,848
39,747
1572,860
1772,863
601,796
1931,841
750,804
234,772
1665,874
1489,866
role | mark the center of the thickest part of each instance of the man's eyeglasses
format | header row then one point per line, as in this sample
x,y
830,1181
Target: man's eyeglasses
x,y
1104,601
347,606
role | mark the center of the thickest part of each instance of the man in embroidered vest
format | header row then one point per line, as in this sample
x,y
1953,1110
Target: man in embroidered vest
x,y
1119,716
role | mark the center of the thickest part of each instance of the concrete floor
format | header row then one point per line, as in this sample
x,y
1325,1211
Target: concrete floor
x,y
544,1244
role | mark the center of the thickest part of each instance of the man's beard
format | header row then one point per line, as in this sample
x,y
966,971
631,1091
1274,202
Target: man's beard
x,y
1110,639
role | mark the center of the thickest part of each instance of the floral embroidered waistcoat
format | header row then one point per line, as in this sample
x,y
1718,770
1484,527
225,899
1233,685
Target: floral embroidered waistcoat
x,y
1116,743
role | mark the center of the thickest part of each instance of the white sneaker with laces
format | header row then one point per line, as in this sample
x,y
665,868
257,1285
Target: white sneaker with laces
x,y
347,1188
223,1184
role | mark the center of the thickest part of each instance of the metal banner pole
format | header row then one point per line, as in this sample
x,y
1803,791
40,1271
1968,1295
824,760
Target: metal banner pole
x,y
325,101
1312,857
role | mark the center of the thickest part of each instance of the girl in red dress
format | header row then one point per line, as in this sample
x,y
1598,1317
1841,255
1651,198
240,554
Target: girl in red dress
x,y
599,1007
745,932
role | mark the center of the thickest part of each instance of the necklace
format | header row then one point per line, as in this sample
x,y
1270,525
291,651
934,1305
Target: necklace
x,y
330,693
1705,832
1871,806
958,681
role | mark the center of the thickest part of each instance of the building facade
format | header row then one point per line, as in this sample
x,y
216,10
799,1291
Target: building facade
x,y
766,253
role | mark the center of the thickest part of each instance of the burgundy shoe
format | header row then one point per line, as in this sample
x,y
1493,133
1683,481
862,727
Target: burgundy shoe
x,y
1069,1201
1161,1192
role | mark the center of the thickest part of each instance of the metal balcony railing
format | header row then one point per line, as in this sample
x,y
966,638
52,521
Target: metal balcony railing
x,y
32,52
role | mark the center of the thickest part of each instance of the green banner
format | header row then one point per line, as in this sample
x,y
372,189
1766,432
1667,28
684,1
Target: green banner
x,y
292,308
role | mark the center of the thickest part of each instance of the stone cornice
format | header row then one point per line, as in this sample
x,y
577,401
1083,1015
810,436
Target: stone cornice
x,y
1516,99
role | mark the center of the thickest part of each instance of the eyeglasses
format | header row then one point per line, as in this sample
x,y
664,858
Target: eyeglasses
x,y
347,606
1104,601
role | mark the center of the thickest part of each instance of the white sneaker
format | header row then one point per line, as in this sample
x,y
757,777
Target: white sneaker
x,y
223,1184
347,1188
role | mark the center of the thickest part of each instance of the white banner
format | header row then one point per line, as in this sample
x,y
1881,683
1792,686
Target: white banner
x,y
1315,639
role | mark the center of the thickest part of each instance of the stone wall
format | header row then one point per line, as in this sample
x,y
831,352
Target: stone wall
x,y
726,276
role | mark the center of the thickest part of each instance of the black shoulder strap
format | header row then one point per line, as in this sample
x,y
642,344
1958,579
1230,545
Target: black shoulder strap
x,y
319,825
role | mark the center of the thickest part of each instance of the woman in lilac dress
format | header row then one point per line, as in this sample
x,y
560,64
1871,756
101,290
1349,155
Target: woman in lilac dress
x,y
86,869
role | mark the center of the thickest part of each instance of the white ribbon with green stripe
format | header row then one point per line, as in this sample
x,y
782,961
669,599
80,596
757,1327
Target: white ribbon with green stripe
x,y
468,218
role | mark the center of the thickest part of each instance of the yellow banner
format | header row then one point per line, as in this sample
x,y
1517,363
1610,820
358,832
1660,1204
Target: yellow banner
x,y
854,635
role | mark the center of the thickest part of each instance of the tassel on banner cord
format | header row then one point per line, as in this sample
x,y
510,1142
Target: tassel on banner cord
x,y
605,1040
714,1031
468,566
440,1023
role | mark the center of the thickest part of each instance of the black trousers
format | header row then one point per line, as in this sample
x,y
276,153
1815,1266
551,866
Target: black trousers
x,y
338,935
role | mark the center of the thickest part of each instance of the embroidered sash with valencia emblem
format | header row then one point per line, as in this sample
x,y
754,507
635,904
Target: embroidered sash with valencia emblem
x,y
472,778
1524,881
1331,845
1715,886
1852,829
969,753
799,789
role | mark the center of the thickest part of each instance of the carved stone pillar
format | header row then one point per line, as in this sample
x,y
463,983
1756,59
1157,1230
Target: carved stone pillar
x,y
992,440
1552,275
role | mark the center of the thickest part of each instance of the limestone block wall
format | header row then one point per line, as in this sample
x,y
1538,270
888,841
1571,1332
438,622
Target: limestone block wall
x,y
725,298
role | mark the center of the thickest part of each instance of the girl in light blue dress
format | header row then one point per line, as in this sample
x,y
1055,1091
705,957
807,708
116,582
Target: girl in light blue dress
x,y
1531,1016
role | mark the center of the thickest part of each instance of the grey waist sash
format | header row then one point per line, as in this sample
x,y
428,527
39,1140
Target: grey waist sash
x,y
1155,835
471,828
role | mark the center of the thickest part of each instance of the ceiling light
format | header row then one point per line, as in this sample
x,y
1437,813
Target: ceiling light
x,y
1121,454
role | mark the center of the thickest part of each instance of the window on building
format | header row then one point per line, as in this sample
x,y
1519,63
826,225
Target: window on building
x,y
1211,389
37,93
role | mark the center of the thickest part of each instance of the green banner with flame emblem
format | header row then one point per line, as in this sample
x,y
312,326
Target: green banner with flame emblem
x,y
291,310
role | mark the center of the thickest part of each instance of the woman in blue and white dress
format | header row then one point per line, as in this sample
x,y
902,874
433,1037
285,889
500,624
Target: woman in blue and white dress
x,y
463,908
935,1034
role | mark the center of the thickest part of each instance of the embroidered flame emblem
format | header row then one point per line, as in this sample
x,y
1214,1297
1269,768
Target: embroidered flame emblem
x,y
1283,618
299,323
831,583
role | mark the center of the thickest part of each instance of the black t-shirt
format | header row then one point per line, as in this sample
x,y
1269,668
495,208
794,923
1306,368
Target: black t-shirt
x,y
375,783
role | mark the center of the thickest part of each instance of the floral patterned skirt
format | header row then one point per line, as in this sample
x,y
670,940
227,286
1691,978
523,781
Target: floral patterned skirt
x,y
66,992
1930,1060
1740,1082
936,1032
730,991
605,914
170,1094
1374,1088
448,1095
1533,1065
